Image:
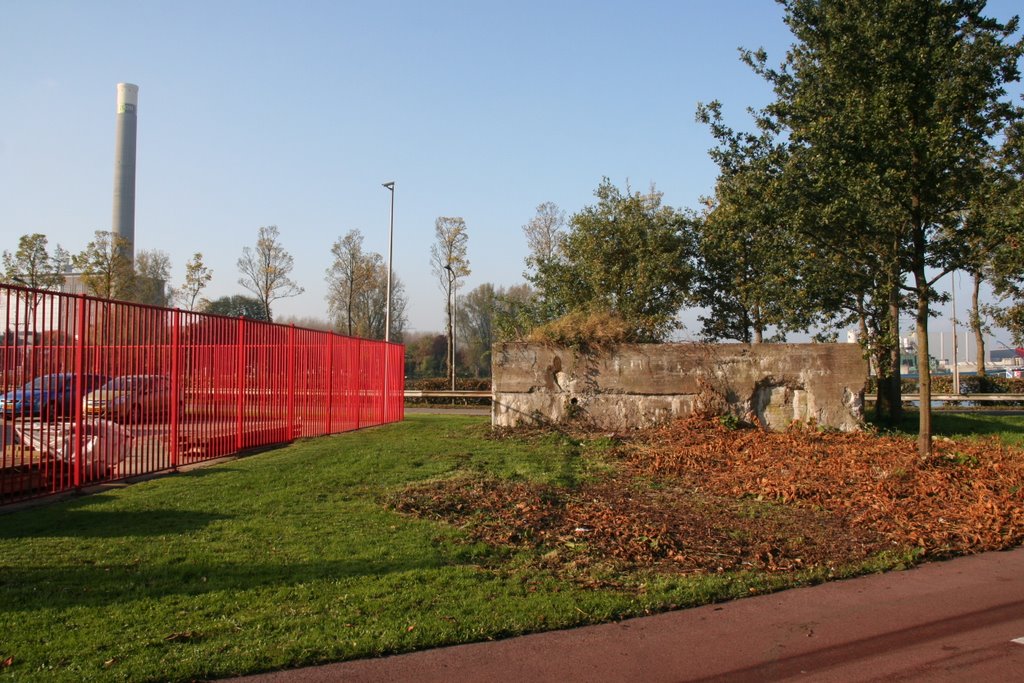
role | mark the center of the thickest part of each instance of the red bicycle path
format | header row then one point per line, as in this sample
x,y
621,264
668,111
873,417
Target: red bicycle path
x,y
957,620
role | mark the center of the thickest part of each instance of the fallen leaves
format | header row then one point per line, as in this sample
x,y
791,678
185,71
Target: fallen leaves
x,y
966,498
696,496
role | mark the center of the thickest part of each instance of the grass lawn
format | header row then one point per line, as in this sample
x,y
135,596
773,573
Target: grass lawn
x,y
1008,426
293,557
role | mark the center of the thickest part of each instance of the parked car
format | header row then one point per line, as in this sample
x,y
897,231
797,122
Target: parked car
x,y
130,398
47,396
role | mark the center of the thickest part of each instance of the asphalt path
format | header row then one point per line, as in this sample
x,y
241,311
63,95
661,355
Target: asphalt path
x,y
958,620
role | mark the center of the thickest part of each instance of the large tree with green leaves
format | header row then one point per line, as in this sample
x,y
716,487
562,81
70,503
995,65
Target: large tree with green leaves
x,y
33,265
628,255
236,306
750,257
892,105
106,267
482,313
1005,264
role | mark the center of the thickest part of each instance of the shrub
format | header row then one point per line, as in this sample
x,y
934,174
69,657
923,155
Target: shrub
x,y
584,330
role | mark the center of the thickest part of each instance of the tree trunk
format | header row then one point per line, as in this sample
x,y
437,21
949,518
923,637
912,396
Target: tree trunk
x,y
889,402
924,371
979,333
862,331
758,327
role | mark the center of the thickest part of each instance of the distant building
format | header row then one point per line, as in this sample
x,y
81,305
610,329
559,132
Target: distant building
x,y
1005,357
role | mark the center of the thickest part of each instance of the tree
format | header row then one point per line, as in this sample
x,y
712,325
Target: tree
x,y
266,270
309,322
106,268
371,306
449,263
894,104
544,234
627,255
357,291
515,313
236,306
478,313
152,275
749,253
425,354
33,265
347,278
197,277
1005,265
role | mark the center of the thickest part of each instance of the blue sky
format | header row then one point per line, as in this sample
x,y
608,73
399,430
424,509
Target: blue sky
x,y
293,114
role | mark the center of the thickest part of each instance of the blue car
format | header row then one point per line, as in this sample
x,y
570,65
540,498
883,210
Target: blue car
x,y
48,396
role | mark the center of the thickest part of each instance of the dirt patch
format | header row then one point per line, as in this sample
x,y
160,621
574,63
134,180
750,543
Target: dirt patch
x,y
696,496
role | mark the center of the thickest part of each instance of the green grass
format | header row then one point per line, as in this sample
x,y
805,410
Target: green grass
x,y
290,558
1008,427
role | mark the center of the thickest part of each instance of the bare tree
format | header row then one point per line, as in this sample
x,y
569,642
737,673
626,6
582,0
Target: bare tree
x,y
346,279
371,311
544,234
357,290
197,276
266,269
449,263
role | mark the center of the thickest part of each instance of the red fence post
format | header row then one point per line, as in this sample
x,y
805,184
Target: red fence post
x,y
175,380
76,442
330,382
239,426
356,371
384,385
291,382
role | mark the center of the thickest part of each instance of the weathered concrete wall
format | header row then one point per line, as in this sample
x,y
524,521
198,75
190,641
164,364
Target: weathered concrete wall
x,y
640,385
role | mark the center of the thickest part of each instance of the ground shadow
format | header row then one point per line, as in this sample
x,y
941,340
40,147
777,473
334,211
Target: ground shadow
x,y
83,522
37,588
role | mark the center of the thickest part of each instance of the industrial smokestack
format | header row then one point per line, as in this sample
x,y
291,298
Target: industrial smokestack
x,y
124,166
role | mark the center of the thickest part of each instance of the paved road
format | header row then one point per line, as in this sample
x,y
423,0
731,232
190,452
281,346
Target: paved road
x,y
961,620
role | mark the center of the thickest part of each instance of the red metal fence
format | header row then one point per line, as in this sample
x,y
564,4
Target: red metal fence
x,y
97,390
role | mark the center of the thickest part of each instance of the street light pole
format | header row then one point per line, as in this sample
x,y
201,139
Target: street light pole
x,y
452,301
391,234
956,361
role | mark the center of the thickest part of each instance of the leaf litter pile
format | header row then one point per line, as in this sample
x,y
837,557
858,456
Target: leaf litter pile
x,y
696,496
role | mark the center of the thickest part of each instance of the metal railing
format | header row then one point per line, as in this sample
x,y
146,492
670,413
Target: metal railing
x,y
97,390
447,393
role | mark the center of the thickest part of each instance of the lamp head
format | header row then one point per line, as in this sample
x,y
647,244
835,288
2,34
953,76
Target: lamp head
x,y
390,185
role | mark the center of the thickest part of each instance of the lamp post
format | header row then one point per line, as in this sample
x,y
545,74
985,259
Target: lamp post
x,y
956,361
391,234
452,301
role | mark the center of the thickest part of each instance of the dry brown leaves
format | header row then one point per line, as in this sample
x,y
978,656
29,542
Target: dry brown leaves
x,y
968,497
696,496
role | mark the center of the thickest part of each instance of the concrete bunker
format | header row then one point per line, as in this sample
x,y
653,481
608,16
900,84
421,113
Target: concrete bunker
x,y
635,386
